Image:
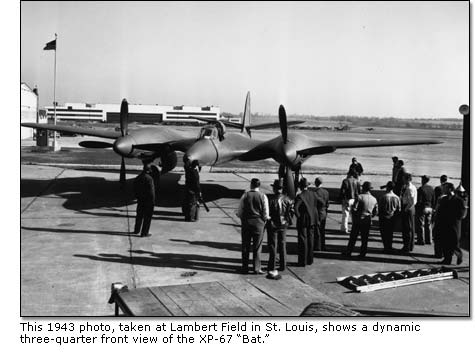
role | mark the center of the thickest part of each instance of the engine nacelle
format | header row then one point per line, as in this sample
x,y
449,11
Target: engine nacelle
x,y
168,161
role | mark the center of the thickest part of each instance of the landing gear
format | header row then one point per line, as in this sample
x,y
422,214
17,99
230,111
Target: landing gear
x,y
156,180
290,181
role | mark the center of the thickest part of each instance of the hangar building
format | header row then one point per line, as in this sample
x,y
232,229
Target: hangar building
x,y
140,113
29,107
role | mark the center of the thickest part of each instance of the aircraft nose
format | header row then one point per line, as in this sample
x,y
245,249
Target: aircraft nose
x,y
203,151
123,146
290,154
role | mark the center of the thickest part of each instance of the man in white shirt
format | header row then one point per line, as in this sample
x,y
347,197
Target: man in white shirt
x,y
408,210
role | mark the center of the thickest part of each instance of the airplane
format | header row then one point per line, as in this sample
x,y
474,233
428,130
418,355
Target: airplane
x,y
214,145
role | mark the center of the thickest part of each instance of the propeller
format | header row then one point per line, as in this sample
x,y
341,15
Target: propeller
x,y
124,124
124,117
283,123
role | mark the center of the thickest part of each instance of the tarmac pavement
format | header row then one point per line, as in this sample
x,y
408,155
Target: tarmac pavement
x,y
76,240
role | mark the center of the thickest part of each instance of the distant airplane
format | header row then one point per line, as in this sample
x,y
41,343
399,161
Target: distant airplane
x,y
214,146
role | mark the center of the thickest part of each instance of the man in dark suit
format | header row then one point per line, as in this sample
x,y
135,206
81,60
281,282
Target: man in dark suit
x,y
280,212
355,167
389,205
192,191
322,207
401,173
450,212
441,189
307,217
145,193
439,192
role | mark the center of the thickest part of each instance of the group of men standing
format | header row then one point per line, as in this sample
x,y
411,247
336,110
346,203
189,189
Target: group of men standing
x,y
433,214
274,213
424,212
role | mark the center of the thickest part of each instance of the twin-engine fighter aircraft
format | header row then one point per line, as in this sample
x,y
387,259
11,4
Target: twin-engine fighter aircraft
x,y
215,146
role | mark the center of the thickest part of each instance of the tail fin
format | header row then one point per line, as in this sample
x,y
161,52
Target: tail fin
x,y
246,117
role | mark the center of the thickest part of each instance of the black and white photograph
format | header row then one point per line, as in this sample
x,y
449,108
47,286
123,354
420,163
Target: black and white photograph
x,y
245,159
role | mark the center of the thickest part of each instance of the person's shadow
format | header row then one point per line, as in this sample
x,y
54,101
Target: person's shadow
x,y
173,260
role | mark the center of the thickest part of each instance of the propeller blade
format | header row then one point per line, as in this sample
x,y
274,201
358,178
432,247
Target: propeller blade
x,y
283,123
289,184
95,144
122,171
124,117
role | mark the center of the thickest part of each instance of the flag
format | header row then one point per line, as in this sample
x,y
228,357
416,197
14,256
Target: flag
x,y
50,45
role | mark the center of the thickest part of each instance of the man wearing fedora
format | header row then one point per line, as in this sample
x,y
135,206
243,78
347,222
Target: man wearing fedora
x,y
364,208
307,217
424,207
280,212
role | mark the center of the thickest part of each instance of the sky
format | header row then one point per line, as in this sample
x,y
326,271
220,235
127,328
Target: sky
x,y
401,59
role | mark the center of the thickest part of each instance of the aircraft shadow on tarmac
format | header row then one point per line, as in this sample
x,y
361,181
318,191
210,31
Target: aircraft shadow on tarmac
x,y
91,192
173,260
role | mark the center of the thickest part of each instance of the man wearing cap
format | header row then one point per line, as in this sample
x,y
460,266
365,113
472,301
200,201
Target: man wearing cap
x,y
144,190
348,193
322,207
364,208
253,211
307,217
424,206
280,212
355,167
408,211
450,212
389,204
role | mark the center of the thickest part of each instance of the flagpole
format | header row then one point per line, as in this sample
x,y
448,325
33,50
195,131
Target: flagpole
x,y
54,91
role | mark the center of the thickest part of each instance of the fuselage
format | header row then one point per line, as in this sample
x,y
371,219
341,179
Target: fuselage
x,y
213,151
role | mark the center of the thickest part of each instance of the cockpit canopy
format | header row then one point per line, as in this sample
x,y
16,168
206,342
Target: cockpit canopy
x,y
208,132
213,131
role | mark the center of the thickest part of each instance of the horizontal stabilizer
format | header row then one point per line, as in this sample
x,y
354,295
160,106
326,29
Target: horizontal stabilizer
x,y
214,121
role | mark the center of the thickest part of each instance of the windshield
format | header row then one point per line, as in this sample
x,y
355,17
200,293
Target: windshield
x,y
208,132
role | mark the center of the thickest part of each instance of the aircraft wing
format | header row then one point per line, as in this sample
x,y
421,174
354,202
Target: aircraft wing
x,y
273,125
330,146
75,130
